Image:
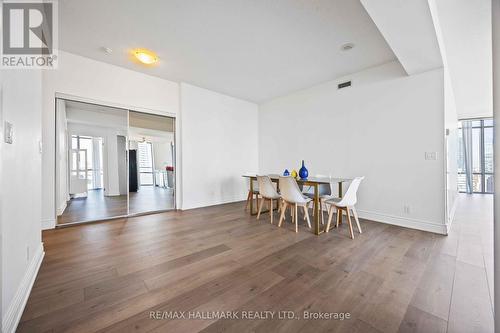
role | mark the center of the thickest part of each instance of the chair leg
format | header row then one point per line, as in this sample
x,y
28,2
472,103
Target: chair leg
x,y
321,211
308,207
339,216
296,219
249,197
271,210
330,216
260,207
306,214
355,213
349,222
283,211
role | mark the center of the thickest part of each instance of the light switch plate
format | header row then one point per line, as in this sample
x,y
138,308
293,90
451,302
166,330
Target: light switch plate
x,y
8,132
430,155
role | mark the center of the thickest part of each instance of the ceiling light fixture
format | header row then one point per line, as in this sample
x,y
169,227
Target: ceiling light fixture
x,y
347,46
147,57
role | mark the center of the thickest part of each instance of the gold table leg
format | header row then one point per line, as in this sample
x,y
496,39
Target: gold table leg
x,y
251,200
316,210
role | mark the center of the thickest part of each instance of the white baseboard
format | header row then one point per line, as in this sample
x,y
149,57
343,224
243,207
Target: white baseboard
x,y
14,311
438,228
112,194
214,203
60,209
48,224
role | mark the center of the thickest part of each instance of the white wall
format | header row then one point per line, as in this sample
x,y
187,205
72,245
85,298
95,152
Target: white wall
x,y
122,164
1,200
496,114
219,143
62,163
451,149
380,128
22,250
163,153
450,113
104,84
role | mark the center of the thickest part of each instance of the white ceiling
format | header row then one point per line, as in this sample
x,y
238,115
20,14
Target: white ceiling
x,y
409,29
251,49
151,121
96,108
150,135
96,115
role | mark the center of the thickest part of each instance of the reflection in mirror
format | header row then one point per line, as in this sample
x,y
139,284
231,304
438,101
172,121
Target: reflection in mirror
x,y
91,162
151,163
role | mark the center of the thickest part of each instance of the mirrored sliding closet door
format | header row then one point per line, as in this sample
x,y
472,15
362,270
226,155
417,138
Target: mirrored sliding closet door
x,y
112,162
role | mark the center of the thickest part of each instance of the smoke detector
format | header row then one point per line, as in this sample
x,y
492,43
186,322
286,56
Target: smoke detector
x,y
347,46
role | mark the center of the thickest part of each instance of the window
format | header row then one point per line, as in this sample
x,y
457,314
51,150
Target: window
x,y
482,157
89,149
145,152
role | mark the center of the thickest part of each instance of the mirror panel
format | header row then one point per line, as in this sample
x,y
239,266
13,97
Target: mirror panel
x,y
151,163
91,162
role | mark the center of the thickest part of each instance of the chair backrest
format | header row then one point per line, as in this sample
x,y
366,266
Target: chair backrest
x,y
350,198
324,189
290,190
266,187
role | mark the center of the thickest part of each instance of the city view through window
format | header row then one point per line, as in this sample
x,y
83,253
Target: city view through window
x,y
482,157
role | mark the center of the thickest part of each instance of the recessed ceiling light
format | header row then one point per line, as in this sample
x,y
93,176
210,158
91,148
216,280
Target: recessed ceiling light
x,y
147,57
347,46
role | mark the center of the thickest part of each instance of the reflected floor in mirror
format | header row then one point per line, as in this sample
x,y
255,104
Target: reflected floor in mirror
x,y
93,207
150,199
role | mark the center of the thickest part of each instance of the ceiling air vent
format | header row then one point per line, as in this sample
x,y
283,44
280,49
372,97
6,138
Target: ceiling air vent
x,y
344,84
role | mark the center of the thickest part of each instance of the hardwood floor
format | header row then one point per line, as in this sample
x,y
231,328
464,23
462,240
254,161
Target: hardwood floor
x,y
150,199
108,277
95,206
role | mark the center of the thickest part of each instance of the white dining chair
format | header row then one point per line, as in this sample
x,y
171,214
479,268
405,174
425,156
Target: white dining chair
x,y
346,203
252,194
292,196
267,192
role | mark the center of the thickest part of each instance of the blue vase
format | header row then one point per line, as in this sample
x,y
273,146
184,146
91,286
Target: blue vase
x,y
286,173
303,173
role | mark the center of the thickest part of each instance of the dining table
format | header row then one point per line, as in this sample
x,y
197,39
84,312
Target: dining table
x,y
313,182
